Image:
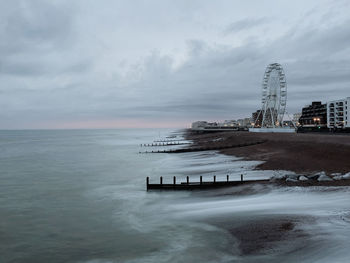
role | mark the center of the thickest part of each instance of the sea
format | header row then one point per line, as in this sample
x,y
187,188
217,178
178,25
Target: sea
x,y
80,196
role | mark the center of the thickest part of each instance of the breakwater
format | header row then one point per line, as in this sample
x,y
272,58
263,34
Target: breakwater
x,y
198,185
163,144
207,148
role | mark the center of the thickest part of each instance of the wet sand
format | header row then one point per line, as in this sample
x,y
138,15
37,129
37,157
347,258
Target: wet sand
x,y
299,152
263,236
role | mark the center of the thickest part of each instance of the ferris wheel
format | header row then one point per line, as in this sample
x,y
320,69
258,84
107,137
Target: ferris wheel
x,y
274,97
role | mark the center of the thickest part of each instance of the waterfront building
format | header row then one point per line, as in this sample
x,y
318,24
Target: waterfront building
x,y
338,114
214,126
288,124
247,122
296,117
257,118
233,125
199,125
230,123
244,123
314,115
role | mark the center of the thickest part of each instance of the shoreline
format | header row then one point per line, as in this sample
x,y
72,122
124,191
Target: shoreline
x,y
269,236
300,153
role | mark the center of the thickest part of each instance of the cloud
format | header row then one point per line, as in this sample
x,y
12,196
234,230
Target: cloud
x,y
246,24
37,37
111,61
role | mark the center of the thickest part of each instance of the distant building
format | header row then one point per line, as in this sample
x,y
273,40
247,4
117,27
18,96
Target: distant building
x,y
199,125
314,115
247,122
204,126
296,117
230,123
244,123
233,125
338,114
257,118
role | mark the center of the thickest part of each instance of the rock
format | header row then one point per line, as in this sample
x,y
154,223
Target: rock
x,y
303,178
312,177
291,180
316,175
346,176
335,174
292,176
277,177
338,177
323,177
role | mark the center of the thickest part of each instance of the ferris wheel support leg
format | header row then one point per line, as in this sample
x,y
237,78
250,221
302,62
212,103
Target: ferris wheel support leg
x,y
264,113
272,118
257,118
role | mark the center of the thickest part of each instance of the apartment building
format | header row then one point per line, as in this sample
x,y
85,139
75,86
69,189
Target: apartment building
x,y
338,114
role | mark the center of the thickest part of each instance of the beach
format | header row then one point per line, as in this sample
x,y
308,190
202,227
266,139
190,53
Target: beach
x,y
297,152
292,228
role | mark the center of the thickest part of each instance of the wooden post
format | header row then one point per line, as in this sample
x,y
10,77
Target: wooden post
x,y
174,179
241,177
161,180
228,178
188,180
214,178
201,180
147,181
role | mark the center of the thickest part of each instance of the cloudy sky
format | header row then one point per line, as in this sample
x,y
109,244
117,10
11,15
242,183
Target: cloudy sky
x,y
159,63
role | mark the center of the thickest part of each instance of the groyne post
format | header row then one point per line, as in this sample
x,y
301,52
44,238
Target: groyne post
x,y
147,181
174,179
214,178
188,180
227,178
201,179
242,177
161,180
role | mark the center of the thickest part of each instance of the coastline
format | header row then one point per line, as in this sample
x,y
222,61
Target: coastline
x,y
274,235
300,153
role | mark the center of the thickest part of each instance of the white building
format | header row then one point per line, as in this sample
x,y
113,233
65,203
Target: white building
x,y
338,114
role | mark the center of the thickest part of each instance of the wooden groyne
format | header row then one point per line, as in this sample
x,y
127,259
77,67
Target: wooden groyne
x,y
198,149
167,140
187,185
163,144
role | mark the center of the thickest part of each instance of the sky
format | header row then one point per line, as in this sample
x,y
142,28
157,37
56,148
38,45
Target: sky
x,y
161,63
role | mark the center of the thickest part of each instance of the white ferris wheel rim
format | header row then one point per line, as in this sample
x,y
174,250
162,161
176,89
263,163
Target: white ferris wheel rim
x,y
282,98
